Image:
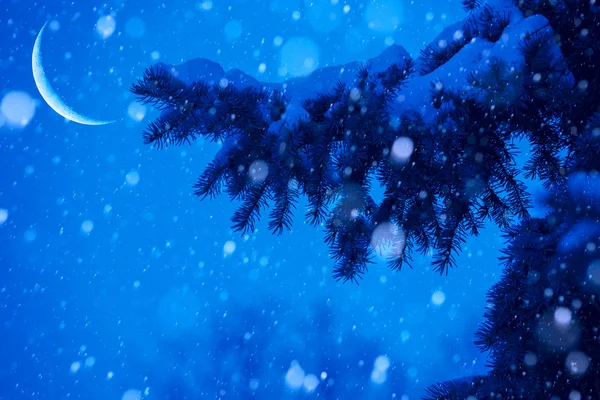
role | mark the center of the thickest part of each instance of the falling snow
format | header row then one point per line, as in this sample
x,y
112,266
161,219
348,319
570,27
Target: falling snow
x,y
106,26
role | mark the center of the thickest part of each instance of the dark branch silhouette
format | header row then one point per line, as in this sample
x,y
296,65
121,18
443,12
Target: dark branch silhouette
x,y
443,177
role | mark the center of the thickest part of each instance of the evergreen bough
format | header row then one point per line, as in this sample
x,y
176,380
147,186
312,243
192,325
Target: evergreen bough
x,y
541,327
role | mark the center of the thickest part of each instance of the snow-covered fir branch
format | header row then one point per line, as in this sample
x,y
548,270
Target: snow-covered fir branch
x,y
441,143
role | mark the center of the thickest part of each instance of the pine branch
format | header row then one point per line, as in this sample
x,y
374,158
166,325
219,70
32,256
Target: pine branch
x,y
460,172
459,389
255,199
159,88
210,182
492,23
286,198
471,5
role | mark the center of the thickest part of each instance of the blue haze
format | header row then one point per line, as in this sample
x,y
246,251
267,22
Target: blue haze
x,y
147,300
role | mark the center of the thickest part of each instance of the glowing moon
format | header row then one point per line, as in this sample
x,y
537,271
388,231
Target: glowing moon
x,y
50,96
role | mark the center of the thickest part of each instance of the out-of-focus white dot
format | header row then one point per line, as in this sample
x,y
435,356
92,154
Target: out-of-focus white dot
x,y
594,272
389,240
106,26
530,359
132,394
438,297
233,30
229,247
294,377
310,383
458,35
429,16
90,361
30,235
262,67
574,395
562,316
300,56
382,363
577,363
17,108
355,94
264,261
29,170
136,111
323,375
346,9
223,83
402,149
378,376
87,226
254,383
54,25
206,5
135,27
258,171
136,284
296,15
278,41
3,215
132,178
109,375
388,41
75,366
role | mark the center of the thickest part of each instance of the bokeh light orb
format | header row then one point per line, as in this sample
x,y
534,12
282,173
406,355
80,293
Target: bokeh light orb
x,y
299,56
233,30
136,111
106,26
132,394
17,108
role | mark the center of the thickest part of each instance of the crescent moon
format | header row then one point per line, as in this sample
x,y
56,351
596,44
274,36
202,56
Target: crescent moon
x,y
48,94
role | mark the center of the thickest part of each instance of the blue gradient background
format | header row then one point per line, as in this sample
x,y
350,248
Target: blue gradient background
x,y
149,293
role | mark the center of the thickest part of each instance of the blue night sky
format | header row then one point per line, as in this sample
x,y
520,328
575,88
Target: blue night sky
x,y
117,283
